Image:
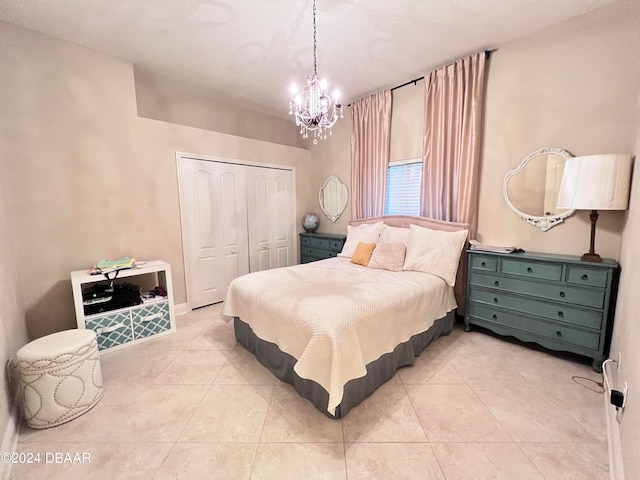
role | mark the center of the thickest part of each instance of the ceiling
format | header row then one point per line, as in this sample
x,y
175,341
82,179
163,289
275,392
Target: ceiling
x,y
250,51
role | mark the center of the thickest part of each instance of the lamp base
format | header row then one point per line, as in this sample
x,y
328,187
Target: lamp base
x,y
591,257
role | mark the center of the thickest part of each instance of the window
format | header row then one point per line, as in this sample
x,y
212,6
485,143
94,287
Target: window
x,y
404,179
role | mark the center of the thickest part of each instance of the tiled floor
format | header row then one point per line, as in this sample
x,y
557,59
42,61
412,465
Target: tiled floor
x,y
195,404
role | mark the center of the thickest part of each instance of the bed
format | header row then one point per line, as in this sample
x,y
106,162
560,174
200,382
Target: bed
x,y
337,330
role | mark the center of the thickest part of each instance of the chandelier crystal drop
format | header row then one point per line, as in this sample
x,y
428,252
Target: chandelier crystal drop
x,y
313,107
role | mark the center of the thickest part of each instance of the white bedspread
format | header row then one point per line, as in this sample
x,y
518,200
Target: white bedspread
x,y
335,317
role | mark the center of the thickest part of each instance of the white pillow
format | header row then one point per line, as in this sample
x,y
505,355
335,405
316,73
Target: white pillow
x,y
434,251
393,235
366,233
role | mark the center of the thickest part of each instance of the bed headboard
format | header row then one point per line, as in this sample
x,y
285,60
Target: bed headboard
x,y
404,221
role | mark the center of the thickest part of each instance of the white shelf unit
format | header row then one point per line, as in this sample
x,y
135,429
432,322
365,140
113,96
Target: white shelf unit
x,y
124,327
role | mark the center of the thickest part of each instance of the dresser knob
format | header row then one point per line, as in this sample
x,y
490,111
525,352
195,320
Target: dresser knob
x,y
496,283
562,294
558,333
494,316
483,264
495,300
560,314
529,269
585,277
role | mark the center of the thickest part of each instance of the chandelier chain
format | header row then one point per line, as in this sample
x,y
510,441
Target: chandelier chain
x,y
315,42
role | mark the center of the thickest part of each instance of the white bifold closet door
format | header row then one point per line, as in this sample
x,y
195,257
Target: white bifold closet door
x,y
236,219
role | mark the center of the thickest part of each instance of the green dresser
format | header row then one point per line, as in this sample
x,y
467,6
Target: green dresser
x,y
318,246
557,301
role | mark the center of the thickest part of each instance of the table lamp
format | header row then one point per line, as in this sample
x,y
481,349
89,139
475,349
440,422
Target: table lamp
x,y
595,182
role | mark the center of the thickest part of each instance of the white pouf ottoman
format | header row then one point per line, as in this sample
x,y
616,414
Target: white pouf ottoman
x,y
60,377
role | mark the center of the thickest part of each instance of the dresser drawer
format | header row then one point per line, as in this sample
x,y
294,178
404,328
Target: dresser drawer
x,y
336,245
112,329
547,291
317,253
481,262
561,333
587,276
320,242
151,319
552,311
541,270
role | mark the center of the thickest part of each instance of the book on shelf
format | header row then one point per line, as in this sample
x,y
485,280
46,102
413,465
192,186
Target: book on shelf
x,y
484,247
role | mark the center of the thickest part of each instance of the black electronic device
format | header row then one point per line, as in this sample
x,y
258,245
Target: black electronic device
x,y
103,298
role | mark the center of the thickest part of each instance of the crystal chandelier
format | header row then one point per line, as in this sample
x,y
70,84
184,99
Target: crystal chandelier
x,y
313,107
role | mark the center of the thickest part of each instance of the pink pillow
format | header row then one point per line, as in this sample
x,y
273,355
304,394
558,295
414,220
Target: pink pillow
x,y
388,256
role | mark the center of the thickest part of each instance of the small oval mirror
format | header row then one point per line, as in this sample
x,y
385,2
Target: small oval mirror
x,y
531,189
333,198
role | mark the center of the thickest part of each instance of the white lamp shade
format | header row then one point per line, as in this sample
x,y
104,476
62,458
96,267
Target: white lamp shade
x,y
596,182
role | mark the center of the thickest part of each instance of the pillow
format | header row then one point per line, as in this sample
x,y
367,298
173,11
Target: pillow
x,y
367,233
434,251
363,253
393,234
388,256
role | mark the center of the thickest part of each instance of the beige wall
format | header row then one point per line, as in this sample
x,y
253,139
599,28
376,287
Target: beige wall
x,y
161,98
407,122
13,332
89,179
332,157
626,332
568,86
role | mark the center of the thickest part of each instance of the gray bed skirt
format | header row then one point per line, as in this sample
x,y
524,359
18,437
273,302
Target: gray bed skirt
x,y
356,390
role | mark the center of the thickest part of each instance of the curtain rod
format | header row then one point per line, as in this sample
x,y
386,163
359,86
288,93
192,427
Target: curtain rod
x,y
487,54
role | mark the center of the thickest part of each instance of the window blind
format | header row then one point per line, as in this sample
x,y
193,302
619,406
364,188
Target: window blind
x,y
403,188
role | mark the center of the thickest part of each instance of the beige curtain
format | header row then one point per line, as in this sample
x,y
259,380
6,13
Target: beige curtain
x,y
370,140
451,156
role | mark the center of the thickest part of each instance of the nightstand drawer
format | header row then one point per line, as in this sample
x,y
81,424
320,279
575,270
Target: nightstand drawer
x,y
541,270
151,319
549,330
586,276
112,329
480,262
547,291
552,311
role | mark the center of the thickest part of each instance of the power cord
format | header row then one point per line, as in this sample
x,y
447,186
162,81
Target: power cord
x,y
584,382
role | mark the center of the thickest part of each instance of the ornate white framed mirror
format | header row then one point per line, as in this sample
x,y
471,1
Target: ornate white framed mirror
x,y
531,189
333,197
